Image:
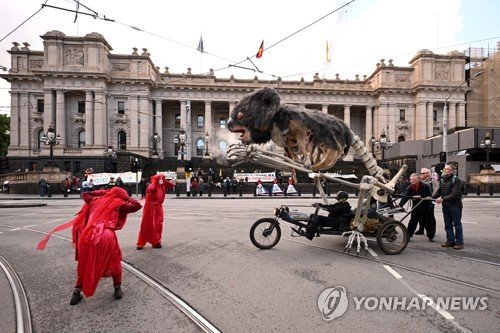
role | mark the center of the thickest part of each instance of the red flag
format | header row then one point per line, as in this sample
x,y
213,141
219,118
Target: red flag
x,y
261,50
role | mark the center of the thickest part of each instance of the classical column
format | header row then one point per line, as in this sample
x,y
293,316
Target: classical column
x,y
324,108
48,109
159,125
183,114
430,119
393,117
208,123
134,123
368,125
89,119
382,118
24,108
145,126
100,120
14,120
452,115
375,122
411,120
231,107
420,120
347,115
61,116
460,114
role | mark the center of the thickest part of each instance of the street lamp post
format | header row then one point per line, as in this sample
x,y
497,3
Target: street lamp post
x,y
110,153
373,143
445,116
51,139
182,143
384,144
206,156
487,145
155,139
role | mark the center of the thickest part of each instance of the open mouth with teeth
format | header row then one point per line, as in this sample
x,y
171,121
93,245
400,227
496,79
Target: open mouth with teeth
x,y
244,133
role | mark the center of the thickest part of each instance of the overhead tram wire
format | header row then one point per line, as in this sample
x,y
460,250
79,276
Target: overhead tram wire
x,y
296,32
1,40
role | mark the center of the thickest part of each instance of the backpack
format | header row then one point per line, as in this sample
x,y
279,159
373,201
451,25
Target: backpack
x,y
462,184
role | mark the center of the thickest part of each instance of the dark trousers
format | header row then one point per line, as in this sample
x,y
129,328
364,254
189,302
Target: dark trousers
x,y
453,220
321,220
425,219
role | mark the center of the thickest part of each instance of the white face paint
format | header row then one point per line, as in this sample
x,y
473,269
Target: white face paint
x,y
160,181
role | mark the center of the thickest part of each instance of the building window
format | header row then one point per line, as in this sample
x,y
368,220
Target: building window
x,y
40,105
222,122
32,166
77,167
19,64
139,65
401,138
81,106
81,140
177,123
402,115
200,121
122,140
67,166
434,115
121,107
200,147
39,143
223,146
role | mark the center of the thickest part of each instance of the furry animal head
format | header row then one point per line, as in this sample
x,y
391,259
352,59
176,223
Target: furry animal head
x,y
252,116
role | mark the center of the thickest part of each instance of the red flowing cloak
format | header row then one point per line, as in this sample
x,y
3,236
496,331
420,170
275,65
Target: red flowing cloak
x,y
152,218
98,246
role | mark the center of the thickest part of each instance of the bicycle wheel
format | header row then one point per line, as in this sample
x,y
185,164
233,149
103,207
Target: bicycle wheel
x,y
392,237
265,233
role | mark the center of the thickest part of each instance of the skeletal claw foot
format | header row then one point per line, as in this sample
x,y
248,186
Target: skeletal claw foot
x,y
360,239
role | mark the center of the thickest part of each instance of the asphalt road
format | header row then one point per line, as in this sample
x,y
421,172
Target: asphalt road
x,y
209,262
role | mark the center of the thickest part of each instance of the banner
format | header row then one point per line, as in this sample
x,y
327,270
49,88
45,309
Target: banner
x,y
264,177
101,179
169,175
337,175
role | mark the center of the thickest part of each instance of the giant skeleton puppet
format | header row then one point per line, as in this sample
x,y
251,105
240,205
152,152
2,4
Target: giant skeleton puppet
x,y
312,141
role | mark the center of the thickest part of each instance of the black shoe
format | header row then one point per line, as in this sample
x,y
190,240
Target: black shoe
x,y
309,235
431,239
157,246
76,297
118,292
419,233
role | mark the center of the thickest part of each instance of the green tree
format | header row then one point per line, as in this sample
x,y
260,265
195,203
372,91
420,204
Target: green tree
x,y
4,134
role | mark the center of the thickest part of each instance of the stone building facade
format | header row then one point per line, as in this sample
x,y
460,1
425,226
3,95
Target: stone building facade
x,y
96,99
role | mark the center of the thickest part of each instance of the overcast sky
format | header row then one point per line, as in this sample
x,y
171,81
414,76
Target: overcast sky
x,y
361,33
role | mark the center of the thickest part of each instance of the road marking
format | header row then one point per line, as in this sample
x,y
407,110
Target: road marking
x,y
393,272
469,222
1,232
15,229
372,252
52,221
442,312
29,226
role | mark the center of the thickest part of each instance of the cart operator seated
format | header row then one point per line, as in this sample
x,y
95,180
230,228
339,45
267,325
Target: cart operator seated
x,y
338,218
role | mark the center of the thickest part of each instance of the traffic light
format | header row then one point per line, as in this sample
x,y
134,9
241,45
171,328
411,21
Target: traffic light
x,y
135,166
442,157
4,163
189,166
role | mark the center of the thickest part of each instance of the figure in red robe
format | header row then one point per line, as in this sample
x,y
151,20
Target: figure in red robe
x,y
152,218
97,249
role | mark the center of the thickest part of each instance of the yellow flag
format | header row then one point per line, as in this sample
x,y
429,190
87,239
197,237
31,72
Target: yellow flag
x,y
328,52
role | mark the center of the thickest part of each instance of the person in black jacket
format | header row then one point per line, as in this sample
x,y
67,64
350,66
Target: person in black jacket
x,y
416,192
334,218
450,196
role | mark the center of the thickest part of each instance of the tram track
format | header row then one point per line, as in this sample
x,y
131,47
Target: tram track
x,y
175,300
409,268
21,305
